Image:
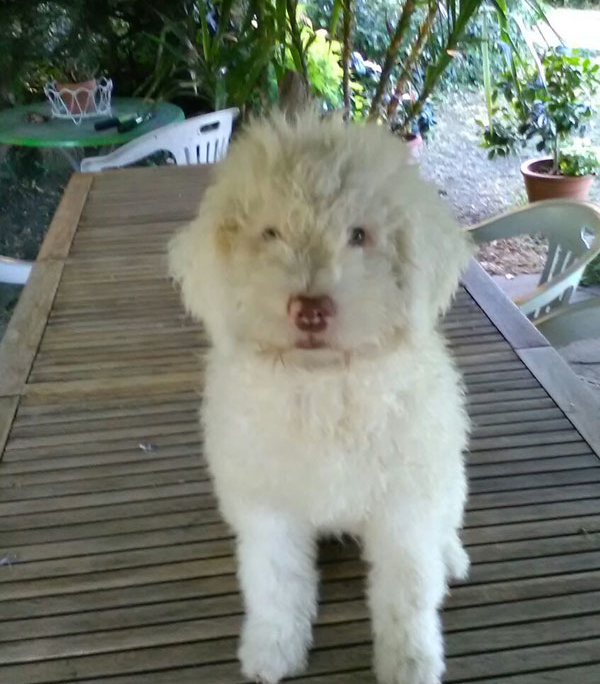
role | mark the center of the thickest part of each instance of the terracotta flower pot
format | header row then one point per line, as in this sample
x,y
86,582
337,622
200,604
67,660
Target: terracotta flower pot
x,y
541,184
78,97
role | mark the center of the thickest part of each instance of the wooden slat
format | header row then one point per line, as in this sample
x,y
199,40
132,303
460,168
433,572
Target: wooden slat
x,y
576,674
536,529
533,511
98,519
146,478
160,517
97,433
100,498
114,387
94,449
143,453
478,470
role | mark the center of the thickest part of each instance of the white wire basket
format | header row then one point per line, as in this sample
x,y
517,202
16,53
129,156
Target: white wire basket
x,y
80,103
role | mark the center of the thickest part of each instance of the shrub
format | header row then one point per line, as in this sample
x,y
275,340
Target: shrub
x,y
551,103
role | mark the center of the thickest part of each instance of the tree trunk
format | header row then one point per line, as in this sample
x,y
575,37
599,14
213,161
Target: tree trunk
x,y
347,52
391,55
423,33
293,93
556,156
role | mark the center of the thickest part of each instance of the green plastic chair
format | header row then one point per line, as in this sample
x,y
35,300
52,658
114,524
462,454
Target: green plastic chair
x,y
572,229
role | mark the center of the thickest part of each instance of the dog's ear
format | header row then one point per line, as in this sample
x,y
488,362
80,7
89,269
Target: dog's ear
x,y
226,232
451,252
194,254
441,250
187,263
197,259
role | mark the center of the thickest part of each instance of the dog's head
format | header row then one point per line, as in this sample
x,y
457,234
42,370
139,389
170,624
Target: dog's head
x,y
317,235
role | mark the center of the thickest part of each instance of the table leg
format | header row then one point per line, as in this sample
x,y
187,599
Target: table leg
x,y
73,156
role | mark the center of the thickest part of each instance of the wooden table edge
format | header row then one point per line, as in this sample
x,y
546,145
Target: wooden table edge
x,y
8,409
578,402
23,335
506,316
57,243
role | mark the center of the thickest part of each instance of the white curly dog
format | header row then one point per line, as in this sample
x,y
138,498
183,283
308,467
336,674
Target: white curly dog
x,y
319,263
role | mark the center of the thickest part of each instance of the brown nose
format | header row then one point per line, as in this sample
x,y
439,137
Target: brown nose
x,y
310,314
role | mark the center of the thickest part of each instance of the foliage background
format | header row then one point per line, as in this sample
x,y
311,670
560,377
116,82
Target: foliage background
x,y
122,38
160,47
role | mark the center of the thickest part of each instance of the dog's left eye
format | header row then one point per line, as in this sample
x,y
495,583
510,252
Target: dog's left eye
x,y
270,234
358,237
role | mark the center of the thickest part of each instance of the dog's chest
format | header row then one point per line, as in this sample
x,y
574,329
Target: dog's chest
x,y
320,443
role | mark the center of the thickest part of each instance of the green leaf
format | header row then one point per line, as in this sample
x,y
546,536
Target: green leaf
x,y
205,36
335,15
281,14
296,57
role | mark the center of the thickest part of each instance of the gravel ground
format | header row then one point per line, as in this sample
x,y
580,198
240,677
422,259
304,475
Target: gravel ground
x,y
479,188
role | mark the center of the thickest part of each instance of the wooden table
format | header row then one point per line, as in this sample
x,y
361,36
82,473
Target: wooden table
x,y
116,568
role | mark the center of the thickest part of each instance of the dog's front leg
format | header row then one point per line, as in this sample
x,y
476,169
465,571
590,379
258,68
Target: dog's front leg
x,y
278,577
406,587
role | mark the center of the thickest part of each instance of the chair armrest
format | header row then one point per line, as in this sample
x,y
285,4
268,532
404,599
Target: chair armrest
x,y
534,218
567,324
14,271
123,156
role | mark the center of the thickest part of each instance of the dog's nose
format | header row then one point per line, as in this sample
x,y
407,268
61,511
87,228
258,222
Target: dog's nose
x,y
310,314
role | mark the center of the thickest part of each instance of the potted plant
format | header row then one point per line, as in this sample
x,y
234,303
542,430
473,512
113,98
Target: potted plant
x,y
76,83
413,131
549,106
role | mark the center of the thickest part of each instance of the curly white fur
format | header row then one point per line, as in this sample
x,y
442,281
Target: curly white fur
x,y
364,436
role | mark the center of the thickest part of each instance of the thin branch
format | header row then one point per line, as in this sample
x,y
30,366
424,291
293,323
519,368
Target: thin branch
x,y
296,37
422,35
347,51
391,55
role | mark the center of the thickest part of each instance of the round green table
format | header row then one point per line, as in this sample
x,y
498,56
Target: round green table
x,y
17,129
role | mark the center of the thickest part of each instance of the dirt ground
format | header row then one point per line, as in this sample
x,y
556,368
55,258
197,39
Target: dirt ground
x,y
479,188
31,185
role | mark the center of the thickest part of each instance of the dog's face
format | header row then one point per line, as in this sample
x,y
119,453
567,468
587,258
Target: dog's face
x,y
318,237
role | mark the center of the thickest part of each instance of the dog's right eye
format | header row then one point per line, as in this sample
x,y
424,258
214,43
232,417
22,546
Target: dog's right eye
x,y
358,237
270,234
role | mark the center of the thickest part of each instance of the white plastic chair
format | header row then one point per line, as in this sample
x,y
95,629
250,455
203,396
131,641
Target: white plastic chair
x,y
199,140
14,271
572,323
572,229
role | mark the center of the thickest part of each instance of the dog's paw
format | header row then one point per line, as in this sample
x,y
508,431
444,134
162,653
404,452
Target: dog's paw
x,y
410,671
393,666
267,655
